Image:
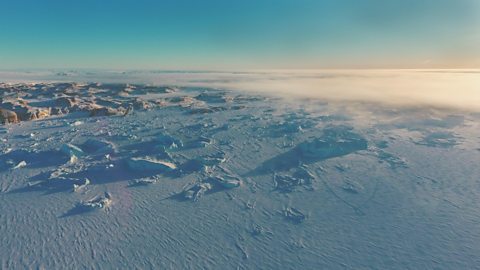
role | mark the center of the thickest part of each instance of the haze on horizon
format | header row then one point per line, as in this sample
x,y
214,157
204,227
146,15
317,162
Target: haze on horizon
x,y
214,34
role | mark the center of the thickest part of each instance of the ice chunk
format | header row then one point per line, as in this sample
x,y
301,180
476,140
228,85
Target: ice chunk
x,y
81,185
60,183
286,183
73,159
213,160
150,164
142,182
303,173
71,150
203,142
97,203
196,191
21,164
76,123
104,111
294,215
226,182
258,230
168,142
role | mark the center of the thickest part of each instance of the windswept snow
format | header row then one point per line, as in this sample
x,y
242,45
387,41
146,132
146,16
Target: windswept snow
x,y
110,175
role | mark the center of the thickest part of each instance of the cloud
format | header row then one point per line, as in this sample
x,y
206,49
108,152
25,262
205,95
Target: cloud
x,y
458,89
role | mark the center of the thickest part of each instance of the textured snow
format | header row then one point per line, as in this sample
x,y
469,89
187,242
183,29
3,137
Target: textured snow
x,y
274,184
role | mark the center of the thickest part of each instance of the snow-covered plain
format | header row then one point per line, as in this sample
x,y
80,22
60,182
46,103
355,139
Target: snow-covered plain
x,y
136,176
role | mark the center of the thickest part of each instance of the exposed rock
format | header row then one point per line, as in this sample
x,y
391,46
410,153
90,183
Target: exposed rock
x,y
42,113
158,89
27,114
7,116
56,111
108,102
183,101
66,102
215,97
104,111
21,108
139,104
207,110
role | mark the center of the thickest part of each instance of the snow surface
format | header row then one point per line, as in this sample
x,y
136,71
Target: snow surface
x,y
196,178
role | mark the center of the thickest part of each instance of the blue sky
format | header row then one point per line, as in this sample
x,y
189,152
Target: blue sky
x,y
259,34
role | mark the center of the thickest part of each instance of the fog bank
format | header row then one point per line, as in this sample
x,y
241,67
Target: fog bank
x,y
459,89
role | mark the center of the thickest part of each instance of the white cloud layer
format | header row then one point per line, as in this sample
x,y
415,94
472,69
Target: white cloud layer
x,y
458,89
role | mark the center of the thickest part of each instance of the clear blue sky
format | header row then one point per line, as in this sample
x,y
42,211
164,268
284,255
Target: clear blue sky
x,y
242,34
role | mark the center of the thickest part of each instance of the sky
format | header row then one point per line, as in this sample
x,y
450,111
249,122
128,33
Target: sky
x,y
237,35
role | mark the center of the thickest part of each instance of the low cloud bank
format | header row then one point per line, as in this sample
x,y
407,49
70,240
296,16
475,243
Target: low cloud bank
x,y
458,89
